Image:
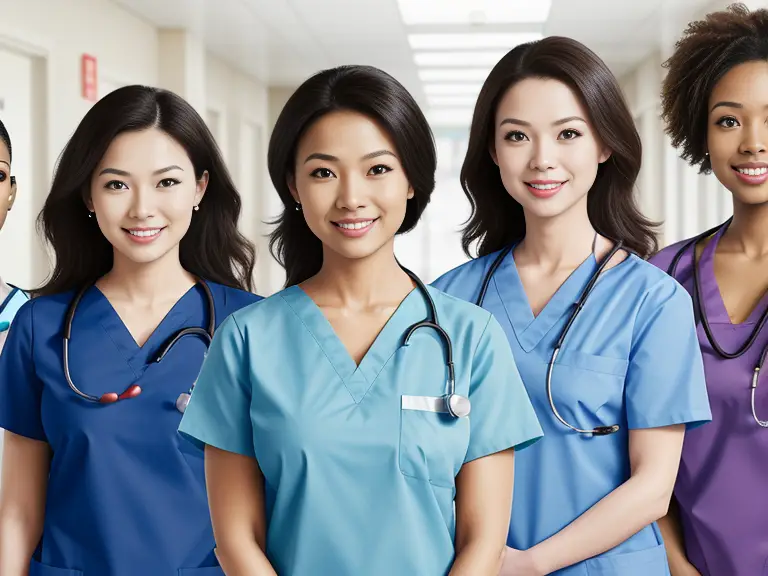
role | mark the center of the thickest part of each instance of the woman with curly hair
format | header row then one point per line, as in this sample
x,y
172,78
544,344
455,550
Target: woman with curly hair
x,y
715,104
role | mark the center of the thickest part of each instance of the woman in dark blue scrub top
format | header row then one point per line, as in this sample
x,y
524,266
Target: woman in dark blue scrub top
x,y
142,218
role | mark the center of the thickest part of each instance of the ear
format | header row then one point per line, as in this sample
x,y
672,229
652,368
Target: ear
x,y
604,155
291,182
12,199
492,151
201,187
411,192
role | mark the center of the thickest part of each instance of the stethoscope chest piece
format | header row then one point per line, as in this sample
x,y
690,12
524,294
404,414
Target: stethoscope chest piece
x,y
182,402
457,405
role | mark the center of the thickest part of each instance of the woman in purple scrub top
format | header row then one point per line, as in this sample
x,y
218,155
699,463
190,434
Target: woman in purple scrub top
x,y
719,119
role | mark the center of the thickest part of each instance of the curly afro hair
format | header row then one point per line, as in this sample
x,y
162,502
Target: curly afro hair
x,y
708,49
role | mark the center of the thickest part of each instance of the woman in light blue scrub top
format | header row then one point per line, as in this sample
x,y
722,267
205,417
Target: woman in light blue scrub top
x,y
142,219
552,198
330,448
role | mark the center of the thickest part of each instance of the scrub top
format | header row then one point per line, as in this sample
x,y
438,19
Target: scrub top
x,y
631,358
126,495
359,469
724,469
11,299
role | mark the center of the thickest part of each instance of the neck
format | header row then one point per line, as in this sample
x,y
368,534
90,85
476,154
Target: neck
x,y
147,282
563,241
749,230
362,282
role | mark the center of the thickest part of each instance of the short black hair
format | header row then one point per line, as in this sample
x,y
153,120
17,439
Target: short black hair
x,y
368,91
6,139
708,49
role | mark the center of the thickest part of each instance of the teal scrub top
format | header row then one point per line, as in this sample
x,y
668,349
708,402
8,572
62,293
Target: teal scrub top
x,y
359,472
631,358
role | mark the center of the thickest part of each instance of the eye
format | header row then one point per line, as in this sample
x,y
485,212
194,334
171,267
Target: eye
x,y
728,122
168,182
116,185
379,169
515,136
569,134
321,173
3,176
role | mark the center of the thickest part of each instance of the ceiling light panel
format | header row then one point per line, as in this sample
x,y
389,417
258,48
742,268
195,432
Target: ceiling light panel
x,y
451,101
484,59
454,74
478,41
450,117
419,12
452,89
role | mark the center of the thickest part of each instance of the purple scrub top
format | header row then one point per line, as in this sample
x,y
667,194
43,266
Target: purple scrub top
x,y
721,486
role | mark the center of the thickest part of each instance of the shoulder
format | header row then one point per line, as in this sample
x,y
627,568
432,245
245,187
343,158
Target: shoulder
x,y
465,281
229,299
664,258
260,309
467,323
42,315
655,290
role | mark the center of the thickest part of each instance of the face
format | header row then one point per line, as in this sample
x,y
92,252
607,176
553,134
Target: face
x,y
545,147
350,184
737,132
143,193
7,190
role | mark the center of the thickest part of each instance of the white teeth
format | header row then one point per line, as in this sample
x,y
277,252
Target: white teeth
x,y
754,171
355,225
144,233
546,186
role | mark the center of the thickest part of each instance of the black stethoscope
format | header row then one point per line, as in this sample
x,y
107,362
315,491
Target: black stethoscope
x,y
599,430
454,404
134,389
701,314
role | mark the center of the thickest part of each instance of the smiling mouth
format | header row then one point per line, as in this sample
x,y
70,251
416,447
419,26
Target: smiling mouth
x,y
144,232
547,186
760,171
358,225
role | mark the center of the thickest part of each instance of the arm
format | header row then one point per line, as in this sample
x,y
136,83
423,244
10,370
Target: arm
x,y
644,498
236,499
673,541
483,504
24,482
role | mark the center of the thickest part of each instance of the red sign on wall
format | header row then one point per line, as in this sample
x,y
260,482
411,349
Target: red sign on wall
x,y
88,77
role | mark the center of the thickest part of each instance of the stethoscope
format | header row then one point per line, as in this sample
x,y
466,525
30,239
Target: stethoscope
x,y
701,314
454,404
134,389
599,430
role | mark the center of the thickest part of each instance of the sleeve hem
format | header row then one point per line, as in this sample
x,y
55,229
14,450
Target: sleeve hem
x,y
202,440
495,447
691,421
20,431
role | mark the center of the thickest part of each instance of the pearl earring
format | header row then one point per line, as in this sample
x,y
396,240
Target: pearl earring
x,y
298,207
197,208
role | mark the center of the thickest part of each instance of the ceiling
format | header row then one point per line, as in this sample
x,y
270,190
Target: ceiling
x,y
282,42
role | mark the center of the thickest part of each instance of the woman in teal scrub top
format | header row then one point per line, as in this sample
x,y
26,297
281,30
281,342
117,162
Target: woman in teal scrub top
x,y
329,445
553,195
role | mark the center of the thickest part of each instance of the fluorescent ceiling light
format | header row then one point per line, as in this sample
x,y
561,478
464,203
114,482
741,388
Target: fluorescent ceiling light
x,y
415,12
484,59
450,117
470,41
454,101
454,74
452,89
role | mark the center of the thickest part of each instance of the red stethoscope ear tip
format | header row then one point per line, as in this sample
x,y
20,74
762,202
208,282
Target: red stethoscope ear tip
x,y
108,398
131,392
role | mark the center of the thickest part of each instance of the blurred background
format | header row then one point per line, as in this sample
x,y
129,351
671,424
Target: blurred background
x,y
237,62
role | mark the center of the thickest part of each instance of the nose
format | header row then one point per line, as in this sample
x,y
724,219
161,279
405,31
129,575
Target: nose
x,y
754,141
349,195
141,203
543,157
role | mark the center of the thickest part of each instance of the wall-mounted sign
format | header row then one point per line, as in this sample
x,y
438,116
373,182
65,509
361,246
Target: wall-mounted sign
x,y
89,78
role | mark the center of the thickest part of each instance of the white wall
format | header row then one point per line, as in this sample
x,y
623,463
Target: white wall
x,y
129,51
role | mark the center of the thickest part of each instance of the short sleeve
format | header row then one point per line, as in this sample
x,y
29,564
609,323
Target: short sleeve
x,y
665,382
501,415
218,413
20,389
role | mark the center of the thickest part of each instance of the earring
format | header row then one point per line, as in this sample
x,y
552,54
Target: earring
x,y
197,208
10,197
90,214
298,207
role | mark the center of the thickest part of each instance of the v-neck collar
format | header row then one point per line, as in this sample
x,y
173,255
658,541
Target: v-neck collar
x,y
713,302
529,329
357,378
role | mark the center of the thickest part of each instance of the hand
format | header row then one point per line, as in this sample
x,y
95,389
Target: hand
x,y
518,563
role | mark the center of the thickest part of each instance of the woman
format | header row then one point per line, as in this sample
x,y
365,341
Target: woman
x,y
330,447
11,298
717,116
559,234
142,219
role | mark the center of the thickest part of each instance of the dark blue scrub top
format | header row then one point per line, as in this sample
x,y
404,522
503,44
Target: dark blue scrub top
x,y
126,494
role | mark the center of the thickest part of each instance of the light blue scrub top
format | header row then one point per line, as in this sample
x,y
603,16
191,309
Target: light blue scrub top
x,y
631,358
354,483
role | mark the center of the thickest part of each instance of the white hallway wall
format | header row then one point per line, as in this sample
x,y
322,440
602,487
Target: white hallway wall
x,y
129,50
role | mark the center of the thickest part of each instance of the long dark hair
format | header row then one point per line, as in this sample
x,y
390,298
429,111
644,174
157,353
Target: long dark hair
x,y
212,248
362,89
497,219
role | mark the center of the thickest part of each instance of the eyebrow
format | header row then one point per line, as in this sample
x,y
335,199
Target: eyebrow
x,y
329,158
117,172
555,123
6,163
726,104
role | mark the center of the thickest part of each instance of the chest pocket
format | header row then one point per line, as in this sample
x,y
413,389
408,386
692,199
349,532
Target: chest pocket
x,y
588,390
431,441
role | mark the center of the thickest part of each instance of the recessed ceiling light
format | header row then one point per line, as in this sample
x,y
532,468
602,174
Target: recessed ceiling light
x,y
454,74
451,101
450,117
484,59
452,89
470,41
416,12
